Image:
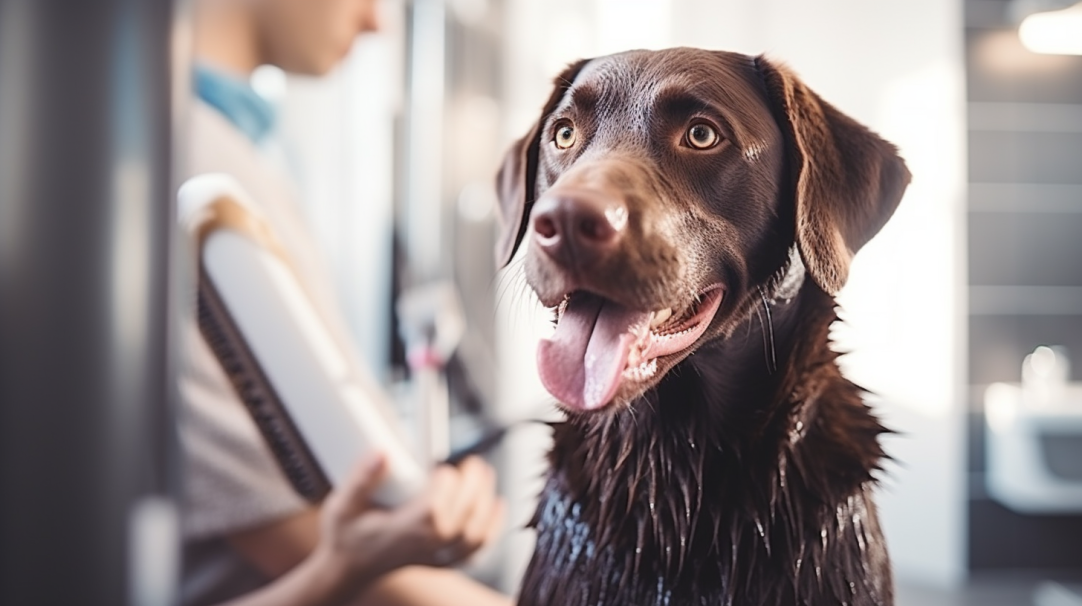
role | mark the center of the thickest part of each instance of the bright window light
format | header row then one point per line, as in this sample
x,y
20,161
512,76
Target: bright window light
x,y
1053,32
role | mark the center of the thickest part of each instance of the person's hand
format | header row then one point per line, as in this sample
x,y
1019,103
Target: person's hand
x,y
457,515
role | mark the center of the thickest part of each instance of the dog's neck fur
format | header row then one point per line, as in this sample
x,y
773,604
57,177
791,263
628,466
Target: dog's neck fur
x,y
721,486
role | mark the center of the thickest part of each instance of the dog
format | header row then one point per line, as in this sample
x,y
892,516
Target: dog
x,y
690,216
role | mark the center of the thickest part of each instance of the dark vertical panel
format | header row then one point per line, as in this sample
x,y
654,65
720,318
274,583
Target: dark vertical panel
x,y
1000,539
85,214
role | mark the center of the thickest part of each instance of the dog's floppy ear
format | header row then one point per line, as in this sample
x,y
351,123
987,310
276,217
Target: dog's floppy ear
x,y
516,183
848,180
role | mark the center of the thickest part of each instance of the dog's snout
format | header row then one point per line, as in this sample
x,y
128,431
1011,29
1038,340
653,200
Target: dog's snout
x,y
578,226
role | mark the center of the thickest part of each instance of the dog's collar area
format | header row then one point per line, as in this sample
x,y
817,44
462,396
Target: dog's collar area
x,y
786,283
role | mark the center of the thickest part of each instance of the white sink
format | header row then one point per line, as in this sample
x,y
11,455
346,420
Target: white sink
x,y
1033,438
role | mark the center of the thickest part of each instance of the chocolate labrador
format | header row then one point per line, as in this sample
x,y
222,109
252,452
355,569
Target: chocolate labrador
x,y
690,215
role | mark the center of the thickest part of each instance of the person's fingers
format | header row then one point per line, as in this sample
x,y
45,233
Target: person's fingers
x,y
352,496
476,483
497,521
485,507
488,528
433,505
442,486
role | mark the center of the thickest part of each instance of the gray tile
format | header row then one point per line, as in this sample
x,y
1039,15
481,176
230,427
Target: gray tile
x,y
1003,589
987,14
997,344
1025,157
1025,197
1001,540
1025,117
1010,249
1025,300
1056,594
1018,75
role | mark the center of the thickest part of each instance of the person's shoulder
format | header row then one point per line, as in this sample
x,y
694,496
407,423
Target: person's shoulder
x,y
204,121
214,144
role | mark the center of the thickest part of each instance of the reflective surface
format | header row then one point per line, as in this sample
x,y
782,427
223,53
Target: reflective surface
x,y
85,209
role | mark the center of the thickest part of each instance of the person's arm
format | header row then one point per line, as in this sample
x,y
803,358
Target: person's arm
x,y
425,586
332,554
318,580
279,549
279,546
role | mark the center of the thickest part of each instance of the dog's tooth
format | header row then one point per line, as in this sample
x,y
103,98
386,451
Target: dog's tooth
x,y
562,307
649,344
641,371
659,317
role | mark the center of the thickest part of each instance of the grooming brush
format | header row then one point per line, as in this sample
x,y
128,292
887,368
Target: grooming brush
x,y
305,397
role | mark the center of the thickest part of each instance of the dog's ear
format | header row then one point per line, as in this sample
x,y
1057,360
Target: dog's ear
x,y
516,183
847,179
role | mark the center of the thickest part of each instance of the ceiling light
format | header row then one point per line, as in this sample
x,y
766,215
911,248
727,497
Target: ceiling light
x,y
1053,32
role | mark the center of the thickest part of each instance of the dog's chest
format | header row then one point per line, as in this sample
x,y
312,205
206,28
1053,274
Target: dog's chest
x,y
728,561
569,567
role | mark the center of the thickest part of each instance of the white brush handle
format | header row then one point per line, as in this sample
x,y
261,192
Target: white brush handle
x,y
339,420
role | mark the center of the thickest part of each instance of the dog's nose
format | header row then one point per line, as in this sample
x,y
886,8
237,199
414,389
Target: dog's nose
x,y
578,226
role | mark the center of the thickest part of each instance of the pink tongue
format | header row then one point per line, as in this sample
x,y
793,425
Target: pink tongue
x,y
583,362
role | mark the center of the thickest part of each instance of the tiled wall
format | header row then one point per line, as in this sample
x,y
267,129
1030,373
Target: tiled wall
x,y
1025,255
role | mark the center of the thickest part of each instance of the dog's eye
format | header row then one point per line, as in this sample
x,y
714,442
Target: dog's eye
x,y
702,136
565,135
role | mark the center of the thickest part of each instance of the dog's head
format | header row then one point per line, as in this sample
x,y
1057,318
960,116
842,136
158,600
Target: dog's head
x,y
662,190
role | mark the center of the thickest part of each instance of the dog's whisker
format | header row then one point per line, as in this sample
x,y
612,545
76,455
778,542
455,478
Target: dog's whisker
x,y
514,291
750,327
508,279
772,363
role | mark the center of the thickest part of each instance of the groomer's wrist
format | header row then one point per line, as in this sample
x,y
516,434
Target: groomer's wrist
x,y
342,574
336,576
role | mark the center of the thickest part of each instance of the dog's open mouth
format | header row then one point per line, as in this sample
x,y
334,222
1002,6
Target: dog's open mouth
x,y
599,345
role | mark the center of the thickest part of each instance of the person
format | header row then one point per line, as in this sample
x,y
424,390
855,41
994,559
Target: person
x,y
246,535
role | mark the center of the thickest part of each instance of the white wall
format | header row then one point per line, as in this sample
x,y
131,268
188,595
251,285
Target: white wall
x,y
895,65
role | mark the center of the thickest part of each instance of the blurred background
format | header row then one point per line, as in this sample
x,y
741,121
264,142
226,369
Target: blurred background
x,y
396,152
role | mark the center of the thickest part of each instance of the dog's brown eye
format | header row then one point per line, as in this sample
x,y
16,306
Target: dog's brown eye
x,y
565,135
702,136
